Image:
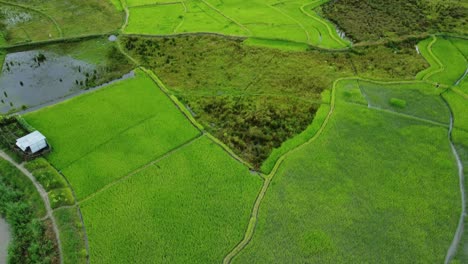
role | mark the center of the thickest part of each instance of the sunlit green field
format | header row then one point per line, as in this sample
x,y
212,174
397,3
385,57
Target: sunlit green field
x,y
294,21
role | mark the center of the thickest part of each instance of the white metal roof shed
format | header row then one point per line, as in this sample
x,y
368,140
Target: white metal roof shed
x,y
34,141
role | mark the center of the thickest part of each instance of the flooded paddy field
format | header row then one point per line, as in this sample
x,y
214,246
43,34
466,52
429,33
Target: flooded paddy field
x,y
32,78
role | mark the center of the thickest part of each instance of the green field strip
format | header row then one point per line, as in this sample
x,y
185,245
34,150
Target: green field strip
x,y
138,170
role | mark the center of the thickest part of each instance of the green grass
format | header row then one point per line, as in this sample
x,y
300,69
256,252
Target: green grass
x,y
278,44
71,235
192,206
375,187
91,151
292,21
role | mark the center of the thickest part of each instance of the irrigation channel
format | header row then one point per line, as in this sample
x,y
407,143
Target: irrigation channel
x,y
5,238
452,251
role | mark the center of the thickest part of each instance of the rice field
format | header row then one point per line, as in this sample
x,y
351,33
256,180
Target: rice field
x,y
293,21
102,136
363,192
189,207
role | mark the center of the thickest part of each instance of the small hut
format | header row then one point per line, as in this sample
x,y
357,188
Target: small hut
x,y
32,143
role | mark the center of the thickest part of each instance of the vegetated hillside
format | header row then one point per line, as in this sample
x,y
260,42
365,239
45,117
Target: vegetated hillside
x,y
253,98
374,19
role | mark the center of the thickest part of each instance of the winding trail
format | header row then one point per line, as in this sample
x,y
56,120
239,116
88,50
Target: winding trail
x,y
43,194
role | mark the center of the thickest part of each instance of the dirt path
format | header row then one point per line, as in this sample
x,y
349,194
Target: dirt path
x,y
45,198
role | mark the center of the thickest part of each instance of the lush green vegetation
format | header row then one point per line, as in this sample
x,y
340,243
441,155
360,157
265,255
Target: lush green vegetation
x,y
253,98
295,21
58,190
198,196
21,205
453,61
364,191
91,151
71,235
37,20
373,20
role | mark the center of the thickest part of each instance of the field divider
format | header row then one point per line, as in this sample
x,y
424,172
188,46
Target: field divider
x,y
107,141
57,27
142,168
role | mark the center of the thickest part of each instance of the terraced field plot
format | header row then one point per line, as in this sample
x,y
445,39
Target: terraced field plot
x,y
294,20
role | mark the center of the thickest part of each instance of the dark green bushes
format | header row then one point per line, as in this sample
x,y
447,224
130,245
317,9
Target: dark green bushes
x,y
20,204
375,19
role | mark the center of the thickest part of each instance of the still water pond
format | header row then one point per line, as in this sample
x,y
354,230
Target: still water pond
x,y
32,78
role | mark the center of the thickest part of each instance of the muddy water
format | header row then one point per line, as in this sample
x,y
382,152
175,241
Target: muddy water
x,y
33,78
5,237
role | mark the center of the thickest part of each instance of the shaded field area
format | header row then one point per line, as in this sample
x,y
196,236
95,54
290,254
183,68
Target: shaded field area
x,y
373,20
39,20
291,20
254,98
364,190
